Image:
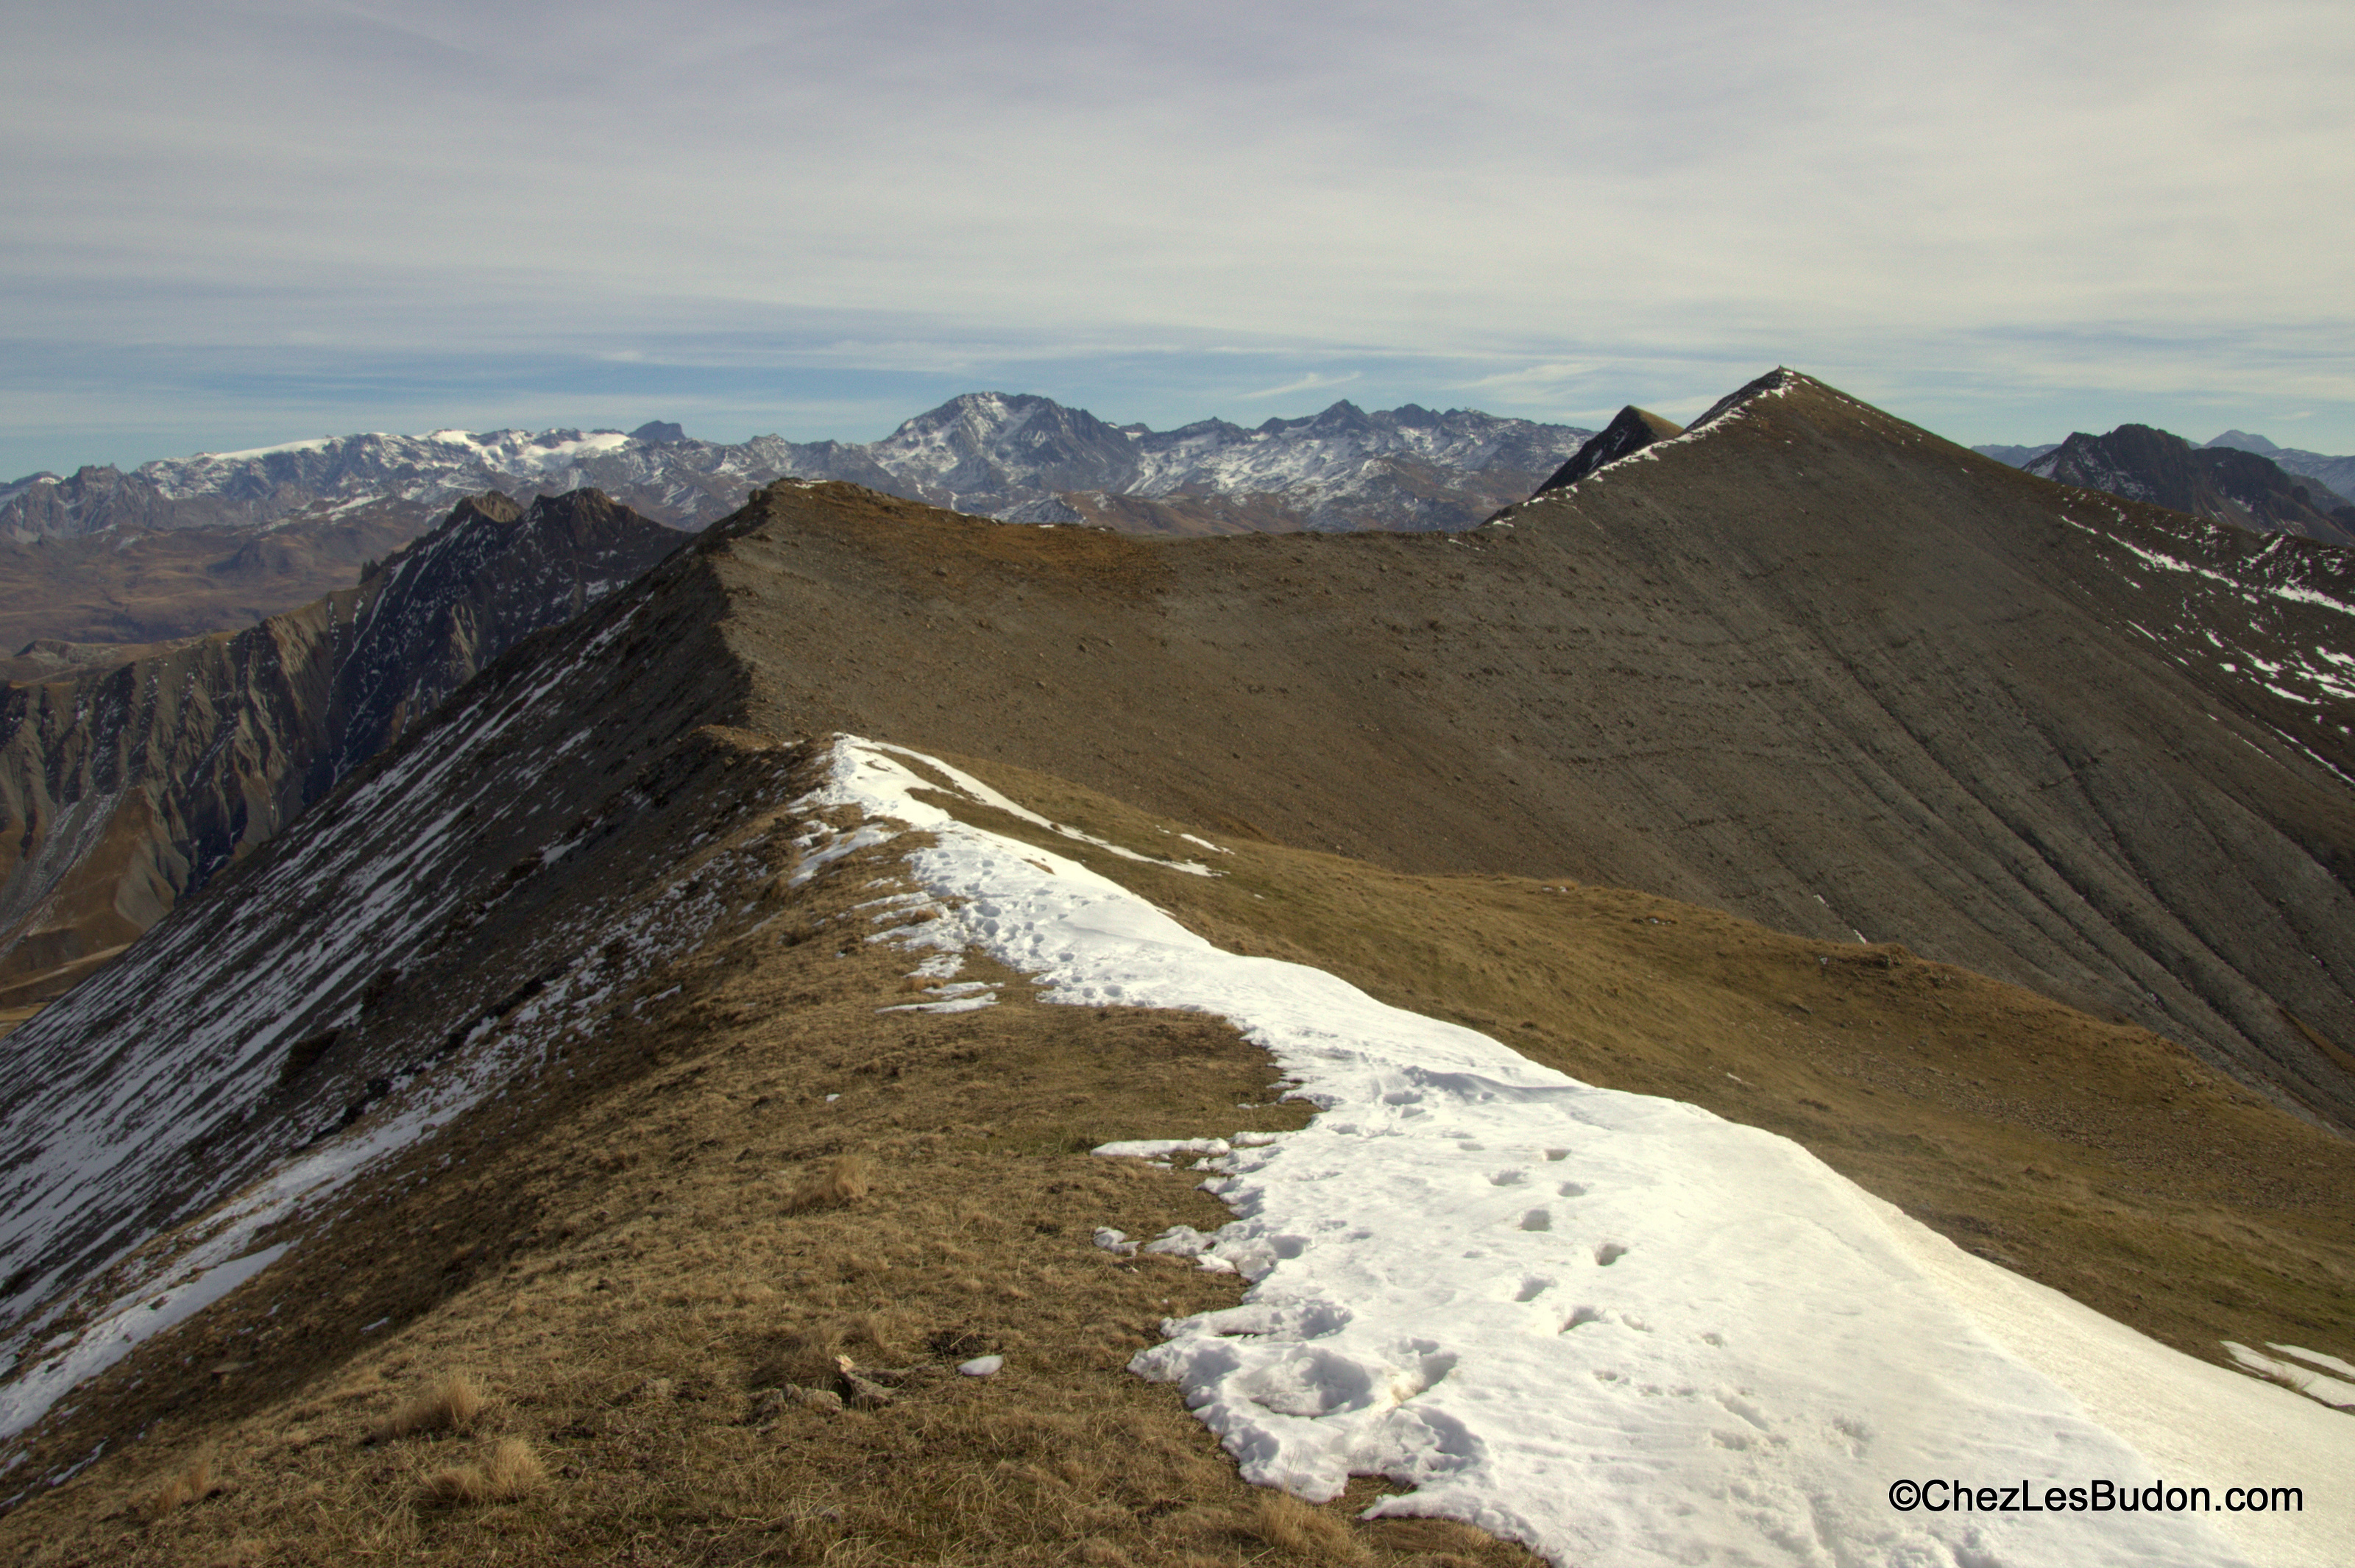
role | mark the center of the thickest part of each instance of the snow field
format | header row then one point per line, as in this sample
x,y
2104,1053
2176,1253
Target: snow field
x,y
1613,1327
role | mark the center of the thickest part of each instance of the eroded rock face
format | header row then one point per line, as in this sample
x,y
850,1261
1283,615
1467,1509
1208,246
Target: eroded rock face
x,y
124,790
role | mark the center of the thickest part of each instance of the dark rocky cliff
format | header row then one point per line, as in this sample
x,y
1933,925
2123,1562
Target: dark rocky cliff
x,y
124,790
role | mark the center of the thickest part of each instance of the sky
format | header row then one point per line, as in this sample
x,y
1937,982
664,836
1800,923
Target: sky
x,y
237,222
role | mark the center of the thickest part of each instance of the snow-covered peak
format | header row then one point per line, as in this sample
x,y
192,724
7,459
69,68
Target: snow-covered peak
x,y
1005,454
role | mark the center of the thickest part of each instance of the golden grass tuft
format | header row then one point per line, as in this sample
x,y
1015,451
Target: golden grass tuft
x,y
192,1484
511,1470
449,1404
1290,1525
834,1185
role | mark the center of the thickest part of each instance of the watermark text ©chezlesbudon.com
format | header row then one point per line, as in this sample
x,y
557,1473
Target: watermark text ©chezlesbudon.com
x,y
2090,1496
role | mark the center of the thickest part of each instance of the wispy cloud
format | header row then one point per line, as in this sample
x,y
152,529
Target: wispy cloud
x,y
1313,381
1549,380
1997,214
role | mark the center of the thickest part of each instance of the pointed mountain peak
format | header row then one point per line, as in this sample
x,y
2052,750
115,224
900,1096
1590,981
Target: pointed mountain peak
x,y
491,505
1634,430
1781,378
2245,442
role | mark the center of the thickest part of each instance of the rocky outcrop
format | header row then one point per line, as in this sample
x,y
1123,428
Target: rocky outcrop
x,y
125,789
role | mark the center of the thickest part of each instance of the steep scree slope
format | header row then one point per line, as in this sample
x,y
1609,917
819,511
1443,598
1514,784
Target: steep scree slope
x,y
122,790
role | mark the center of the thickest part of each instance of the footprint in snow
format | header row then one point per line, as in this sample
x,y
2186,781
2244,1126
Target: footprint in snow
x,y
1538,1219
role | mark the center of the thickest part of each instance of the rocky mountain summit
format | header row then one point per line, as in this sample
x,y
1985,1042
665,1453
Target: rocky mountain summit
x,y
990,454
2233,481
124,789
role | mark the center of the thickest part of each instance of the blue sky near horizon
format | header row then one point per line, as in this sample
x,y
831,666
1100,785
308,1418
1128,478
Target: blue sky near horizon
x,y
236,222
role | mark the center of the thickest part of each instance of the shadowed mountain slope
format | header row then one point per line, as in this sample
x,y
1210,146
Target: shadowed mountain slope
x,y
122,790
2226,483
1629,432
2337,473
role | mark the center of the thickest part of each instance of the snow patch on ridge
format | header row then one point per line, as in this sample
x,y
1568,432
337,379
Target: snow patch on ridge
x,y
1613,1327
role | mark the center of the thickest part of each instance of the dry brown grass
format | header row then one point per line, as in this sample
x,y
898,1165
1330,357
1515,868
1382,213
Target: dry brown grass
x,y
511,1470
1290,1525
671,1301
449,1404
2094,1157
833,1184
191,1484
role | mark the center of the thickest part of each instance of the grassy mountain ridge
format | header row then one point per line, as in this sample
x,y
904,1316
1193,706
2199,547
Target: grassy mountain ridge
x,y
571,1023
1841,690
617,1258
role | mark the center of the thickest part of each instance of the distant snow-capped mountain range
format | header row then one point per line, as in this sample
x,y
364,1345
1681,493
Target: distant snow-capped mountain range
x,y
1020,457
